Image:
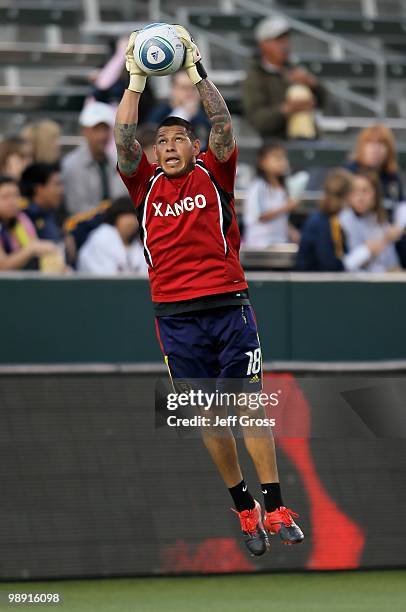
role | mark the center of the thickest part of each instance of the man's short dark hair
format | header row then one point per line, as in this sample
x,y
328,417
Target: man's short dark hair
x,y
170,121
34,175
7,180
120,206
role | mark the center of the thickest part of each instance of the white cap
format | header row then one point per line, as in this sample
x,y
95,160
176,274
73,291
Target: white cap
x,y
96,112
271,28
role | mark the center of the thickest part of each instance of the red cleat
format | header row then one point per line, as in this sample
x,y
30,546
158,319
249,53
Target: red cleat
x,y
254,534
281,521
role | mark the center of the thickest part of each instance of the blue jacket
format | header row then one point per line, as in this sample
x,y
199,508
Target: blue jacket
x,y
317,250
45,222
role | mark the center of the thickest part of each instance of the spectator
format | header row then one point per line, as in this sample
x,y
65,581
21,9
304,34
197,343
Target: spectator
x,y
89,172
114,247
376,150
279,100
184,102
110,82
79,226
146,136
45,138
365,225
42,185
267,204
322,246
15,156
19,244
400,220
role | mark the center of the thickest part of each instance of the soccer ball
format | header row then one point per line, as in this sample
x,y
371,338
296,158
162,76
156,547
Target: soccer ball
x,y
158,50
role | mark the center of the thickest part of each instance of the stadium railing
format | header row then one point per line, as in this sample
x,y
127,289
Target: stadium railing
x,y
324,317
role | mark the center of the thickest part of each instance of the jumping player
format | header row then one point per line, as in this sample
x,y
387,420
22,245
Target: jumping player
x,y
205,323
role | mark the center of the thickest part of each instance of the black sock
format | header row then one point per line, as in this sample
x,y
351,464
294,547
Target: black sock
x,y
242,498
272,496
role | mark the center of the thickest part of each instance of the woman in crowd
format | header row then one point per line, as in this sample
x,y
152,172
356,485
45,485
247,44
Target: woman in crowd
x,y
45,139
15,156
268,205
19,245
375,151
114,247
321,247
329,241
184,101
366,227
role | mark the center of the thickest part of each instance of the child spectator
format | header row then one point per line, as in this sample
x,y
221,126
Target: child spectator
x,y
19,244
322,247
365,225
42,185
376,151
15,156
114,247
267,203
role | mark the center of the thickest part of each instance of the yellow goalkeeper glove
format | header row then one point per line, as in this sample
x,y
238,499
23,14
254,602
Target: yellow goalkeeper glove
x,y
192,64
138,78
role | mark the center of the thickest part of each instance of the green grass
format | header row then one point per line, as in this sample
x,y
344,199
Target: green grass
x,y
311,592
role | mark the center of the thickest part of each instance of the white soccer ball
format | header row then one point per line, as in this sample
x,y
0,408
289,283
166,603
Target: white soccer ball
x,y
158,50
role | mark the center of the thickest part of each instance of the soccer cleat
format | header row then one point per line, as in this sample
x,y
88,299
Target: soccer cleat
x,y
254,534
281,521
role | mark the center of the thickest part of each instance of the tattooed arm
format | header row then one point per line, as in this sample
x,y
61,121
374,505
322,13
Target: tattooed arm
x,y
129,150
221,140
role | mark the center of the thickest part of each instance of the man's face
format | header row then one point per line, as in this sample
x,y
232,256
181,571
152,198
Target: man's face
x,y
9,197
127,225
98,137
183,90
50,195
277,50
175,151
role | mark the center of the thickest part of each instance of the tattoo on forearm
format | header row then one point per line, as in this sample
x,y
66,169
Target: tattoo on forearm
x,y
221,139
129,150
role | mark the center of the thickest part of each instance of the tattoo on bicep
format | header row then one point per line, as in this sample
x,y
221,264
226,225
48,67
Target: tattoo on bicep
x,y
221,139
129,150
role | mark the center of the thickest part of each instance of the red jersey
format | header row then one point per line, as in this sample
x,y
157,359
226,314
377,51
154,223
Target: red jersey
x,y
189,228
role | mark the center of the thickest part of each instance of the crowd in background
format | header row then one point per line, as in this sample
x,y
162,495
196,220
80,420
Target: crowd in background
x,y
72,213
361,219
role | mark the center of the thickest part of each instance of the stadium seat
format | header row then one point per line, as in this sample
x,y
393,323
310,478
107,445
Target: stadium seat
x,y
29,99
41,15
329,22
36,54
